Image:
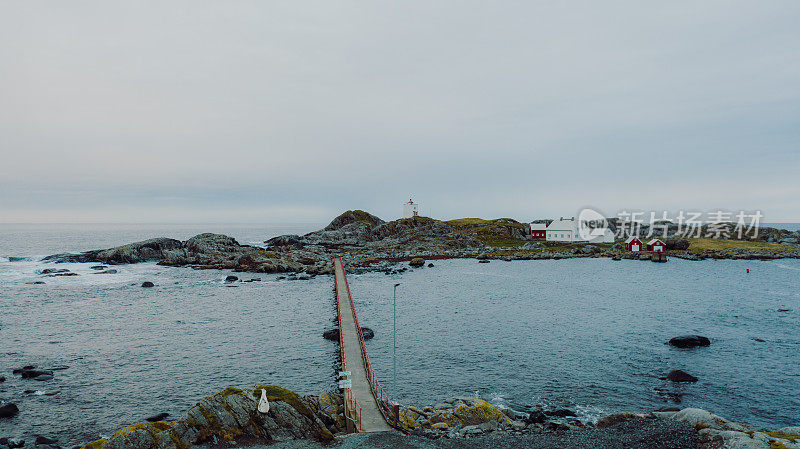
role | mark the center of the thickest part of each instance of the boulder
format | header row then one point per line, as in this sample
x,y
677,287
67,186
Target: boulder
x,y
561,413
417,262
8,410
331,334
430,265
689,341
43,377
147,284
231,278
617,418
45,440
677,244
680,376
2,379
33,373
536,416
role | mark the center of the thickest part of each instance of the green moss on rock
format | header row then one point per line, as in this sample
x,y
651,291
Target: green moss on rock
x,y
276,393
96,444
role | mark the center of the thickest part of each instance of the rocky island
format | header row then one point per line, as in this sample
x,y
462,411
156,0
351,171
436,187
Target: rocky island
x,y
366,242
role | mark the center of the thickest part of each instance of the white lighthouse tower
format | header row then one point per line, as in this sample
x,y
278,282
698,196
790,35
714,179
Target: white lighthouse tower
x,y
410,209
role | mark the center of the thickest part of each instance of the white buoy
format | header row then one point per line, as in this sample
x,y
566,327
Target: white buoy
x,y
263,404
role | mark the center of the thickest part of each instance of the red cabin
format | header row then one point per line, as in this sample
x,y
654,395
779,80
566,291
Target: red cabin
x,y
633,244
656,245
538,231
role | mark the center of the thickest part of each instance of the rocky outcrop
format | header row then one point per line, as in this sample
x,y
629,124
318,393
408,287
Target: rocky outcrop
x,y
147,250
458,412
716,432
231,417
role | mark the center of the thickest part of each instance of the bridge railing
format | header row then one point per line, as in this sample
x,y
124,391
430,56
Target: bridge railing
x,y
385,404
352,407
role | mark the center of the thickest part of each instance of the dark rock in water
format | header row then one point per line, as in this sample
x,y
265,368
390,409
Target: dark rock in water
x,y
35,282
60,274
24,368
52,393
59,367
303,278
417,262
536,417
2,379
689,341
44,440
280,278
8,410
14,443
784,310
561,413
159,417
148,284
332,334
680,376
29,391
430,265
99,267
759,340
111,271
54,270
231,278
483,261
31,373
43,377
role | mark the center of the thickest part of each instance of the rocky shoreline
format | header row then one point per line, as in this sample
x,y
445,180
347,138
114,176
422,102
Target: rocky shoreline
x,y
367,243
230,418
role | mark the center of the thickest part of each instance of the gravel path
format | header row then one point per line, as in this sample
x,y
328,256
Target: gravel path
x,y
642,434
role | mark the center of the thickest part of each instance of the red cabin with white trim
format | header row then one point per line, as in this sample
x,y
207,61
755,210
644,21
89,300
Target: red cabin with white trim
x,y
633,244
538,231
656,245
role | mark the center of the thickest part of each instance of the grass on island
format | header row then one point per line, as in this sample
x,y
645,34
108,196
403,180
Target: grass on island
x,y
702,244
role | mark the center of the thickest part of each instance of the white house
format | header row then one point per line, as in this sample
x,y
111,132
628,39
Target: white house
x,y
410,209
562,230
566,230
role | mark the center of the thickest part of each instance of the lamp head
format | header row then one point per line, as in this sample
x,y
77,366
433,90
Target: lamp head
x,y
396,285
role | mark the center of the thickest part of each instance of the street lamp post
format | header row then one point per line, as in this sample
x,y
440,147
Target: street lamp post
x,y
394,345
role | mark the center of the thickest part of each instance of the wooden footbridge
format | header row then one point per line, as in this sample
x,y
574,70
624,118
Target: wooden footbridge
x,y
367,407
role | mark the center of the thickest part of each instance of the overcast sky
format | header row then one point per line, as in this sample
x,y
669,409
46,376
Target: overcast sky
x,y
266,111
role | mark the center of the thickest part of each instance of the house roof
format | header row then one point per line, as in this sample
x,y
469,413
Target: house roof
x,y
632,238
562,225
651,242
538,226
